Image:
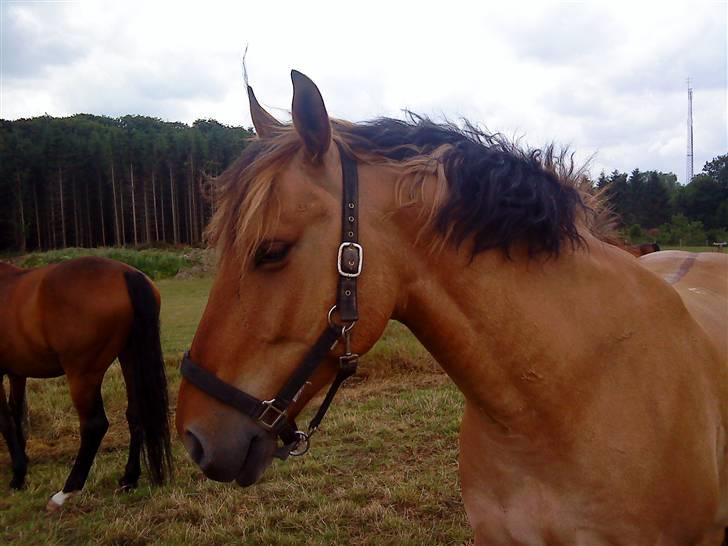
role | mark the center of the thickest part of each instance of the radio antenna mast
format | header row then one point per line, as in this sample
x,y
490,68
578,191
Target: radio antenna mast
x,y
689,159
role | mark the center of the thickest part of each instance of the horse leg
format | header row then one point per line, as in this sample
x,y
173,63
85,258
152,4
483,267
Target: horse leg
x,y
13,438
133,467
19,407
86,396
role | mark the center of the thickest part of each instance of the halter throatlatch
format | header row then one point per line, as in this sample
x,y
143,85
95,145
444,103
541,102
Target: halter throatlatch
x,y
272,414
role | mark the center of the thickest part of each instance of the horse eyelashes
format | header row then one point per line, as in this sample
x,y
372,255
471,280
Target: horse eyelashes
x,y
271,252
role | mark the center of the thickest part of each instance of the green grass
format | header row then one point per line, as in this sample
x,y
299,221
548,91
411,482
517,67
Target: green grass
x,y
156,263
183,302
383,470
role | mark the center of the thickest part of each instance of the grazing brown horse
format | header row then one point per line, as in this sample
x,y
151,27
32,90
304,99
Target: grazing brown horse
x,y
596,403
605,229
642,249
75,318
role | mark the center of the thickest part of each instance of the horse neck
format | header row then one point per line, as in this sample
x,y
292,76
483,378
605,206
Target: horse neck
x,y
510,333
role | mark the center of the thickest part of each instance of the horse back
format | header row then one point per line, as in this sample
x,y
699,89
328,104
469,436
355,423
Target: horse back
x,y
701,279
66,311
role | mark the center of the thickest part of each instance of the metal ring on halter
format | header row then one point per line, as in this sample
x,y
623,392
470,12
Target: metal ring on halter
x,y
302,446
345,328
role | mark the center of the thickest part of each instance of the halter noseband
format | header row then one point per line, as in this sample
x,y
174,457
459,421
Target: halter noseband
x,y
272,414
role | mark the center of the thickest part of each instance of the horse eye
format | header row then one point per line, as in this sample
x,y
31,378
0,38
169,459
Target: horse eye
x,y
271,252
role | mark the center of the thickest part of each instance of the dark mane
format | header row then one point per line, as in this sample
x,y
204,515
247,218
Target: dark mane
x,y
498,194
495,194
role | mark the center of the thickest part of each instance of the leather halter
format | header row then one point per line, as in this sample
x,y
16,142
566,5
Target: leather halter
x,y
272,414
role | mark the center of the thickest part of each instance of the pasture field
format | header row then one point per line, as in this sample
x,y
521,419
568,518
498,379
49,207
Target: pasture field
x,y
383,470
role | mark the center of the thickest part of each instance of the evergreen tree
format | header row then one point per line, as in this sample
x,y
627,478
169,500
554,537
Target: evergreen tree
x,y
68,181
655,206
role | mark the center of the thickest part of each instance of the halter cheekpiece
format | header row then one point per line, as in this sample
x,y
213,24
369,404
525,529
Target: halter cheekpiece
x,y
272,414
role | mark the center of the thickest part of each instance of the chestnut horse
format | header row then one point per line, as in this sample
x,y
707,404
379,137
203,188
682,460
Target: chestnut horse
x,y
642,249
75,318
596,403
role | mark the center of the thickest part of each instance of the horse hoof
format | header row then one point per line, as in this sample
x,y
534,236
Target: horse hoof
x,y
125,486
17,483
56,501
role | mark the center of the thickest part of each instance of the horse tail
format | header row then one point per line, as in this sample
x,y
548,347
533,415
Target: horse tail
x,y
149,383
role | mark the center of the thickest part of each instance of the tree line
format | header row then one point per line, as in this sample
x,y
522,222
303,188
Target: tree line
x,y
651,205
90,181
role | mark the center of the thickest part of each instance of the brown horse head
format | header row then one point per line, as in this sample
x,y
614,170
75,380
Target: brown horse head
x,y
277,233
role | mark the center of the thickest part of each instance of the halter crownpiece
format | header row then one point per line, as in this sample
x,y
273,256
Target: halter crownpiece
x,y
272,414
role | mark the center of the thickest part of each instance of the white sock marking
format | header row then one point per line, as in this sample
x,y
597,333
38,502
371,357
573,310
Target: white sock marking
x,y
60,497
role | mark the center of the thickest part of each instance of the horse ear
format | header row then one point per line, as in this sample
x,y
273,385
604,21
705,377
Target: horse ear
x,y
264,123
309,115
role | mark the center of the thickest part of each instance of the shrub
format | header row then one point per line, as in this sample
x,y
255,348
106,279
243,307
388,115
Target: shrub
x,y
716,235
156,263
680,230
635,233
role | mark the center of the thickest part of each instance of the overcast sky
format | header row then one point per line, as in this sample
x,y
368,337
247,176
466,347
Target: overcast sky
x,y
606,78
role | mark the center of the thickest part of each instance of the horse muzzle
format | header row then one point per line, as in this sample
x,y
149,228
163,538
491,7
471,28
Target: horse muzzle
x,y
226,453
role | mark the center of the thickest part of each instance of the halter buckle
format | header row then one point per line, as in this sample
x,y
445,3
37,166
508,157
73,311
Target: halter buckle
x,y
350,259
348,363
271,410
302,445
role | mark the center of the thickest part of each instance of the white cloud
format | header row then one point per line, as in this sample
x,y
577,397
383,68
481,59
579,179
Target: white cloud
x,y
604,77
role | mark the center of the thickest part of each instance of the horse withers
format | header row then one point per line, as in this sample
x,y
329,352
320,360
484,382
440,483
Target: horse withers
x,y
596,403
75,318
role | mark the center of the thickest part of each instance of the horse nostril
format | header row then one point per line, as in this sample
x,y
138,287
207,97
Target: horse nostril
x,y
194,446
